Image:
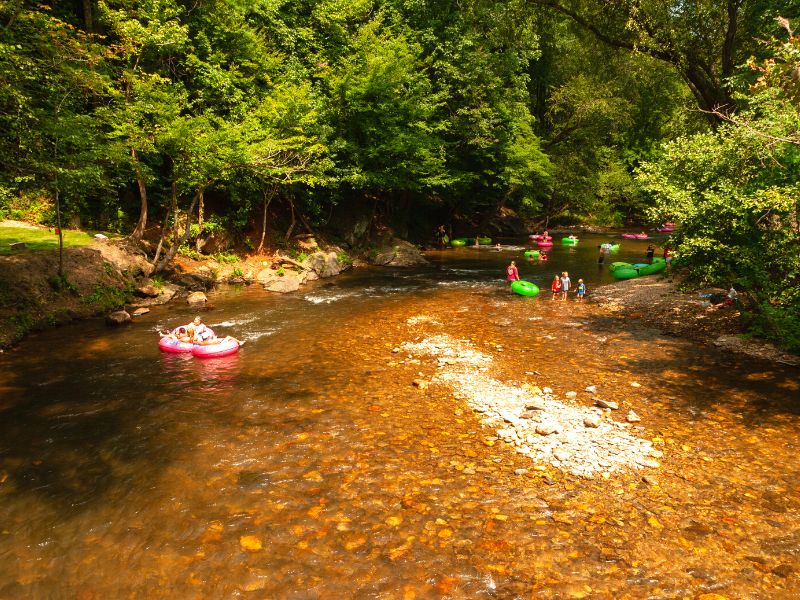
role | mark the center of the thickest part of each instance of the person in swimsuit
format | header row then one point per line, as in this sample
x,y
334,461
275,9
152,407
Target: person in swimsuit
x,y
512,274
181,334
565,283
601,257
581,289
555,286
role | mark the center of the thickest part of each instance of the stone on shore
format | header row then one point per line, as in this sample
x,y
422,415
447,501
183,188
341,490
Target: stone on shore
x,y
633,417
592,420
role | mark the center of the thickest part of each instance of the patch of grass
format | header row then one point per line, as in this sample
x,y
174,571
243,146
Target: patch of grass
x,y
344,259
225,257
60,283
237,272
40,239
158,281
106,297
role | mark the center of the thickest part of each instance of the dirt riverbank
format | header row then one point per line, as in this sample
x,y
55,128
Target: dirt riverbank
x,y
658,302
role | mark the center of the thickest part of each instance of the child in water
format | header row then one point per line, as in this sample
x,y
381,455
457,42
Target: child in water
x,y
556,286
565,283
580,290
542,256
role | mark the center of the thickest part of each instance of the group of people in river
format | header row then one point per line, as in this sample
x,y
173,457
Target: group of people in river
x,y
560,287
197,332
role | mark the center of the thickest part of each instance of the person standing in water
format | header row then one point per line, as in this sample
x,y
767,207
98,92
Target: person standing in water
x,y
580,290
555,286
512,274
565,283
601,257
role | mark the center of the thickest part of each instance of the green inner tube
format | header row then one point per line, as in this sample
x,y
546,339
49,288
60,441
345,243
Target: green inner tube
x,y
620,265
525,288
656,267
484,241
627,273
567,240
458,242
532,253
614,248
659,259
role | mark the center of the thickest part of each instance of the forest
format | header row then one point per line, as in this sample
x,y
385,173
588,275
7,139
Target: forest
x,y
265,118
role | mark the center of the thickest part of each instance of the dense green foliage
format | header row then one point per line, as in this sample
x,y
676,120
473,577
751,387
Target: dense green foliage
x,y
735,193
264,117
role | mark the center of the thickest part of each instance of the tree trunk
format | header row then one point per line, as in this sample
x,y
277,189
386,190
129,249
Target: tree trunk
x,y
173,250
138,231
161,240
294,221
60,238
198,243
88,19
269,194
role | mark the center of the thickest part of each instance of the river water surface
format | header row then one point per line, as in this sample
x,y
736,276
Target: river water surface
x,y
310,466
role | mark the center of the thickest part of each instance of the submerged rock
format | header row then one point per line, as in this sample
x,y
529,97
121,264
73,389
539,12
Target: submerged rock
x,y
196,298
119,317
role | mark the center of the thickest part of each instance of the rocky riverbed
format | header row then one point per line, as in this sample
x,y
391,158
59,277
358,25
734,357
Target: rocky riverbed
x,y
587,442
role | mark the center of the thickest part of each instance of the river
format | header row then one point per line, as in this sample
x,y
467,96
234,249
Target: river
x,y
309,465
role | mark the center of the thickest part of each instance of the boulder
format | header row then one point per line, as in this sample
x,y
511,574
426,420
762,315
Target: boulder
x,y
196,298
100,236
140,311
199,281
325,264
290,282
399,254
18,246
119,317
148,290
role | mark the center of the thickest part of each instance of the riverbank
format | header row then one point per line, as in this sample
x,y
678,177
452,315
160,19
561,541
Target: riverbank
x,y
657,302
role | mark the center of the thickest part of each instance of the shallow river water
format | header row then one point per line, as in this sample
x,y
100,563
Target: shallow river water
x,y
310,465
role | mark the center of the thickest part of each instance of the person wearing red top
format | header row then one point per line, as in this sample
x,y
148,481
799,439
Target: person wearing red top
x,y
512,274
556,286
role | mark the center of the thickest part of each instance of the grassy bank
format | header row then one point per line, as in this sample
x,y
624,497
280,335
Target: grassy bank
x,y
39,238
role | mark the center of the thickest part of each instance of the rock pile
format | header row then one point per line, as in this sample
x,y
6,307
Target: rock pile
x,y
581,440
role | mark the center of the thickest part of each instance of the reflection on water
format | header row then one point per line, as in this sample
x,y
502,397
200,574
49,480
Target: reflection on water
x,y
308,465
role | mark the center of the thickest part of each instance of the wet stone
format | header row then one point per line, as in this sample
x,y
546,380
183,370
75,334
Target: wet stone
x,y
606,404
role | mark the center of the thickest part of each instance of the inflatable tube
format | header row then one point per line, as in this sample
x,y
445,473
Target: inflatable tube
x,y
568,240
665,229
525,288
625,273
224,348
659,259
544,244
175,346
656,267
620,265
455,243
532,253
484,241
537,237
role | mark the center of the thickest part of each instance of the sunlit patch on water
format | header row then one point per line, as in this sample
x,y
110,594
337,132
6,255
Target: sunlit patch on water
x,y
328,298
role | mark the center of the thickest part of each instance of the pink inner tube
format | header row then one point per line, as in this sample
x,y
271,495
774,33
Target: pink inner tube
x,y
666,230
544,244
224,348
538,236
172,345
